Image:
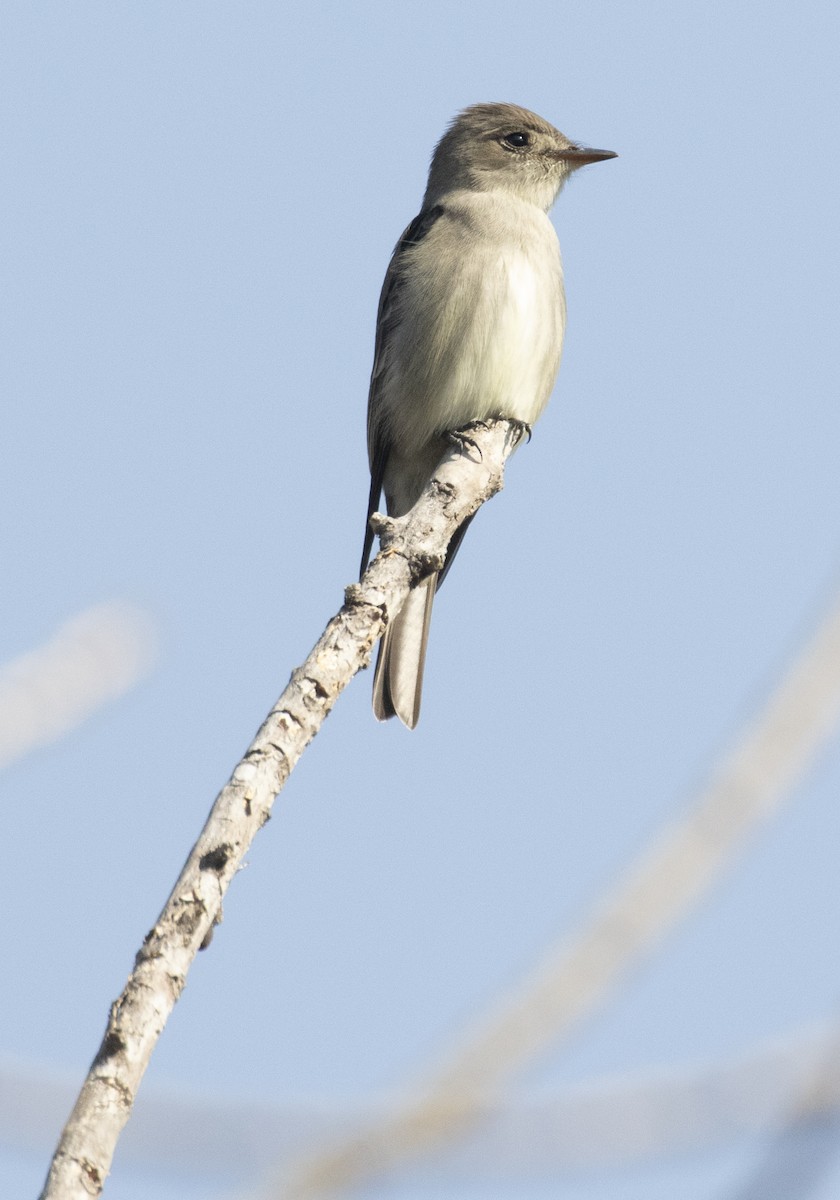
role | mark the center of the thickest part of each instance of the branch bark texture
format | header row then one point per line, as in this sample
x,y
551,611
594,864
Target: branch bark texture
x,y
412,546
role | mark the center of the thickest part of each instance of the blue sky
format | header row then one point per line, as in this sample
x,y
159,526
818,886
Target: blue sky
x,y
199,205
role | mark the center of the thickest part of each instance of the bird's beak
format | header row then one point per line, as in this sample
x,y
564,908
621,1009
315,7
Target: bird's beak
x,y
579,156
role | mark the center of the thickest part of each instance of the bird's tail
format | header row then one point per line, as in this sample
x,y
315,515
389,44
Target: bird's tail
x,y
398,680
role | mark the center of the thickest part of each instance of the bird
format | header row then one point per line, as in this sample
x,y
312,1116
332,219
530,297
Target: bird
x,y
469,327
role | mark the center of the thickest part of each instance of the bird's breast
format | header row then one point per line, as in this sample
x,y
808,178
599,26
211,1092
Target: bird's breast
x,y
526,322
481,328
501,343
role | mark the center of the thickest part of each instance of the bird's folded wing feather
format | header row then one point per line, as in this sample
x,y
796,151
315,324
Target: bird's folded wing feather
x,y
386,319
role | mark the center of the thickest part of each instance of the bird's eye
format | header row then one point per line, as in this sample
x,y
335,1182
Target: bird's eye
x,y
516,140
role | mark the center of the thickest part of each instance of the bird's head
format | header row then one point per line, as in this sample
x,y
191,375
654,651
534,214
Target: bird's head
x,y
501,147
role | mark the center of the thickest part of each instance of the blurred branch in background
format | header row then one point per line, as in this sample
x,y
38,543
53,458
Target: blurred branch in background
x,y
745,789
94,658
807,1137
793,1088
792,1084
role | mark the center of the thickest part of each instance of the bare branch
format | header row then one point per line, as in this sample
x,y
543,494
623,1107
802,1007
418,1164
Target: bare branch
x,y
470,473
575,976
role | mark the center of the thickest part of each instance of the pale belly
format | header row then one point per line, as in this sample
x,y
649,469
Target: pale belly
x,y
511,370
492,351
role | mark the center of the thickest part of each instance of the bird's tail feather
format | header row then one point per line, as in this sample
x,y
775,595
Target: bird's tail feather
x,y
398,680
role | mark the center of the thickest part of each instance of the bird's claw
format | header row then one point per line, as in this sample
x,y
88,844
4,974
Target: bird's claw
x,y
466,444
519,429
469,446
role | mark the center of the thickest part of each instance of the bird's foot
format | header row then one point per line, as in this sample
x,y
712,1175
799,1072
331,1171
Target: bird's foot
x,y
466,444
519,430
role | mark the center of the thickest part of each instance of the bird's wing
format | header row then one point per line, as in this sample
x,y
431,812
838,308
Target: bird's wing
x,y
386,320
